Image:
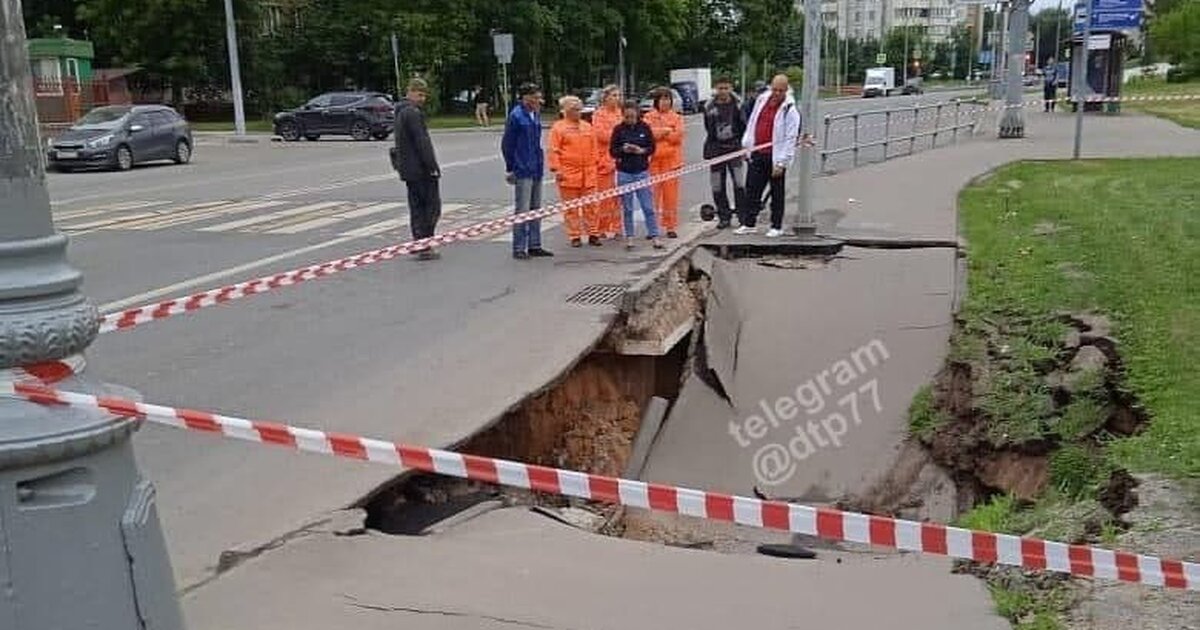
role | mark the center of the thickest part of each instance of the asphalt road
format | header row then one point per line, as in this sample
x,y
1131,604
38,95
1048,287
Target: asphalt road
x,y
385,350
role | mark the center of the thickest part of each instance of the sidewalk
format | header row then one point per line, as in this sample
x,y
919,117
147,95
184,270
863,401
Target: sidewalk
x,y
510,568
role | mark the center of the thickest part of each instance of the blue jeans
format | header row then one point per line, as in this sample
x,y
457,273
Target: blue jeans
x,y
528,235
645,198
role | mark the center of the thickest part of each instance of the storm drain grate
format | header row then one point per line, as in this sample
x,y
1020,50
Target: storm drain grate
x,y
599,294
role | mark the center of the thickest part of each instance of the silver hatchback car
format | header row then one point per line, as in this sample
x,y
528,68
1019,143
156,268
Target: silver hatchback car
x,y
119,136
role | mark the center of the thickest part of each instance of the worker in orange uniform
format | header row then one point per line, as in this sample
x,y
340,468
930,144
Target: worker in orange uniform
x,y
572,158
667,126
604,120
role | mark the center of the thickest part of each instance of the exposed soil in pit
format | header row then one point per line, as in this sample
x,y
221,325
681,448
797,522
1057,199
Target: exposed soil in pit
x,y
587,421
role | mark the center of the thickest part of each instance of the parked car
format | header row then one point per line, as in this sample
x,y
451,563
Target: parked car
x,y
120,136
360,115
647,102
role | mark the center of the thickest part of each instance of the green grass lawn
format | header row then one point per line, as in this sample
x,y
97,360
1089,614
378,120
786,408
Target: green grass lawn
x,y
1124,240
1183,112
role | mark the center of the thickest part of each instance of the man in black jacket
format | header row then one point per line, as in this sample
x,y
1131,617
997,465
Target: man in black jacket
x,y
414,159
725,123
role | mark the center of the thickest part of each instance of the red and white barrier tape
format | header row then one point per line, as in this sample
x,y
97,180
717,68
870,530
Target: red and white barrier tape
x,y
124,320
48,372
1029,553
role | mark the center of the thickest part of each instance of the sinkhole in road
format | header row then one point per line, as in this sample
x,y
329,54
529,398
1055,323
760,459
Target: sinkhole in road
x,y
603,414
588,420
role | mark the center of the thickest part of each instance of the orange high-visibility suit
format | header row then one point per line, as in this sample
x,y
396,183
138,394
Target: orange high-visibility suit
x,y
572,158
668,155
604,120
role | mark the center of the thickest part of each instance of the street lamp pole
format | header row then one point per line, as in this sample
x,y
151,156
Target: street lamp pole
x,y
802,220
235,72
1012,123
77,522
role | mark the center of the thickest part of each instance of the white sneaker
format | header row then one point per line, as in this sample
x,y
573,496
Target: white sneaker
x,y
746,230
774,233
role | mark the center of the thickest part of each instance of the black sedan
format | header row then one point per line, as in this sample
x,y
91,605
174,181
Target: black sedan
x,y
360,115
119,136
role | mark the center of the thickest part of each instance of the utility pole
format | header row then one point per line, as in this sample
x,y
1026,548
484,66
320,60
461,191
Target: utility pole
x,y
1058,34
235,72
1081,80
396,62
621,62
1012,123
802,220
78,525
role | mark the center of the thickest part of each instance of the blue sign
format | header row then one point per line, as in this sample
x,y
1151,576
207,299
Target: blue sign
x,y
1120,6
1117,21
1109,15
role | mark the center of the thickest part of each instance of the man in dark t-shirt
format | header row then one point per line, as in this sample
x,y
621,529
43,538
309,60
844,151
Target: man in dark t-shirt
x,y
481,107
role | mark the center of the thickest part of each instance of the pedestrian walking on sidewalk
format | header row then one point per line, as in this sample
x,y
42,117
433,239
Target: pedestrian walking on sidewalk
x,y
724,124
414,159
1050,85
776,120
667,126
604,120
481,107
524,162
632,146
572,159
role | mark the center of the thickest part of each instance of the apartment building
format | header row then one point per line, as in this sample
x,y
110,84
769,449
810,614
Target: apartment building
x,y
871,19
854,19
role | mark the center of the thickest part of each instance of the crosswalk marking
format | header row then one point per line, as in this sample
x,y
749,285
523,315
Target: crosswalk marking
x,y
371,209
264,218
110,221
116,207
198,212
376,228
383,219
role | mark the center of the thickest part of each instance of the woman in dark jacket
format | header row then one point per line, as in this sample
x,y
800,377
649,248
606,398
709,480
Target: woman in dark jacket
x,y
631,146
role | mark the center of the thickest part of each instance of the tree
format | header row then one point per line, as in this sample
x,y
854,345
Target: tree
x,y
1051,27
1176,35
135,32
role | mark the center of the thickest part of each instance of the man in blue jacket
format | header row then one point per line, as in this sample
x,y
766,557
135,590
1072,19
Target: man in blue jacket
x,y
524,164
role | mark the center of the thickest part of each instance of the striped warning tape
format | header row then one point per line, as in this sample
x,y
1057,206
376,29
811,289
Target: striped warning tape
x,y
832,524
46,372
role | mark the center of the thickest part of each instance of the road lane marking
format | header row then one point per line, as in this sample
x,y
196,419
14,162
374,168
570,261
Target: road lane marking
x,y
79,228
370,210
272,216
202,214
375,228
221,179
178,287
116,207
321,222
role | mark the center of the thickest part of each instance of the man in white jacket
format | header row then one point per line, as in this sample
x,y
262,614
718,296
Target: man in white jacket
x,y
776,120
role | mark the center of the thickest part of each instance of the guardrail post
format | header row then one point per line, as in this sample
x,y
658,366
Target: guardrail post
x,y
887,131
855,139
937,124
825,143
912,139
957,109
78,525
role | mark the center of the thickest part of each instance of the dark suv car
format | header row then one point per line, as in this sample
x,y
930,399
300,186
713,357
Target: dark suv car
x,y
360,115
119,136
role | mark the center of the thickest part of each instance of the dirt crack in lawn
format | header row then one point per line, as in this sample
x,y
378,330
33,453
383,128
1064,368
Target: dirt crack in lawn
x,y
355,602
